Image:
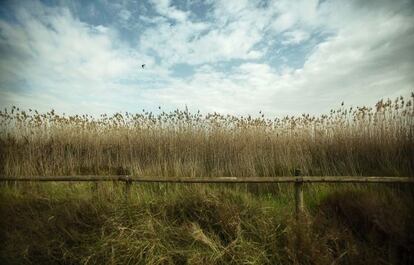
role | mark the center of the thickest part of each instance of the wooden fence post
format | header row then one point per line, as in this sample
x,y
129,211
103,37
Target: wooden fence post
x,y
299,205
299,212
127,188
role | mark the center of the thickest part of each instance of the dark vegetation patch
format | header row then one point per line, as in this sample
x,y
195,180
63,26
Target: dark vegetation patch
x,y
197,225
379,226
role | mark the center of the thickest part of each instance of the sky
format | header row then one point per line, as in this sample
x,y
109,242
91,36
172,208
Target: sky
x,y
281,57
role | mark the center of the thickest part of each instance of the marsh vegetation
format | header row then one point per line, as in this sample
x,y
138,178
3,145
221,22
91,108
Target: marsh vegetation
x,y
63,223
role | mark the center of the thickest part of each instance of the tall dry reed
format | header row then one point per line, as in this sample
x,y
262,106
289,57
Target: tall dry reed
x,y
347,141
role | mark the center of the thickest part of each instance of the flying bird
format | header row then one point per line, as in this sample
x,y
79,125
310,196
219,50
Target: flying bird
x,y
143,66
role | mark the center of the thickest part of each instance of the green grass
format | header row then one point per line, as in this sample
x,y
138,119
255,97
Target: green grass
x,y
202,224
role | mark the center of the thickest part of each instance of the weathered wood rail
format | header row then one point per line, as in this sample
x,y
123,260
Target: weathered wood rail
x,y
286,179
297,180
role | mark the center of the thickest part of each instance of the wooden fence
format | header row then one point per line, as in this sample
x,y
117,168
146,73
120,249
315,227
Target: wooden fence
x,y
298,180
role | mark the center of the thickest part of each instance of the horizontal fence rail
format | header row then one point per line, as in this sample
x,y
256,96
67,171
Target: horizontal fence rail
x,y
286,179
298,180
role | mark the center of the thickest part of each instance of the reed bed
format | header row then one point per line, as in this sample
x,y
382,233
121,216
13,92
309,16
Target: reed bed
x,y
376,140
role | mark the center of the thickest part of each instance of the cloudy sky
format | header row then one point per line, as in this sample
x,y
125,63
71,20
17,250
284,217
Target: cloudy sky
x,y
230,56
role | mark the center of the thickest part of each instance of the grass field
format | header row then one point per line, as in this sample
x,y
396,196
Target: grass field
x,y
208,224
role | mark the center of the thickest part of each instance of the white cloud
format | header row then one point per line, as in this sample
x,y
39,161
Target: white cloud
x,y
188,43
365,59
76,67
63,59
165,8
234,30
295,37
124,14
303,13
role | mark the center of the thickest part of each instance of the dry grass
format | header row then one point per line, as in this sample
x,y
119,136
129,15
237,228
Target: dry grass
x,y
66,223
360,141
